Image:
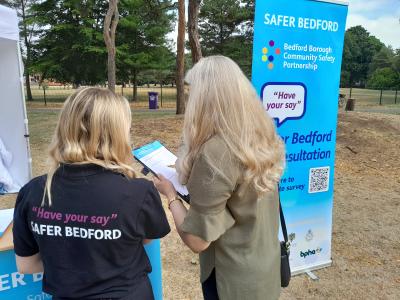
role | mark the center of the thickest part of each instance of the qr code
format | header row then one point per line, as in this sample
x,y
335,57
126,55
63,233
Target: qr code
x,y
318,180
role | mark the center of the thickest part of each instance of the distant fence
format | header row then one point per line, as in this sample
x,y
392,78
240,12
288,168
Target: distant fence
x,y
372,97
60,93
168,94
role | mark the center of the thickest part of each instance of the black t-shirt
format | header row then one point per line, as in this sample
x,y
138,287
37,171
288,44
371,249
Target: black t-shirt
x,y
91,238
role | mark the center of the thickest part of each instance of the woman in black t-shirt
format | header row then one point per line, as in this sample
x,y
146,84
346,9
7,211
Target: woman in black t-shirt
x,y
85,222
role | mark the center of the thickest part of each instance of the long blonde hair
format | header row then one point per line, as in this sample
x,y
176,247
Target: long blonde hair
x,y
93,127
223,102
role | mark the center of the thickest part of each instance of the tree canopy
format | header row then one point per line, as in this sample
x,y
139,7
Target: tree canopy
x,y
142,42
63,41
384,78
359,50
70,48
226,28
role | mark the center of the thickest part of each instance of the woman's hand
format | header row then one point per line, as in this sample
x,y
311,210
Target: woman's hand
x,y
165,187
179,212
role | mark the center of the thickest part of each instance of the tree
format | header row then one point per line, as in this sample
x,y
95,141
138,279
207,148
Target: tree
x,y
27,33
226,28
109,30
180,60
396,61
142,38
193,22
382,59
70,46
165,72
396,68
381,79
359,49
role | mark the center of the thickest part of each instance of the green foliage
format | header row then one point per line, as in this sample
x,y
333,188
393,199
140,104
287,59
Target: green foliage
x,y
396,67
384,78
226,28
71,46
359,50
382,59
141,39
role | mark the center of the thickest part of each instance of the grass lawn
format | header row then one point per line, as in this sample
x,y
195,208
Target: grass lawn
x,y
367,97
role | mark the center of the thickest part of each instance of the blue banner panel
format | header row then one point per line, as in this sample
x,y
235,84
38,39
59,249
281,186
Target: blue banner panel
x,y
16,286
153,251
297,57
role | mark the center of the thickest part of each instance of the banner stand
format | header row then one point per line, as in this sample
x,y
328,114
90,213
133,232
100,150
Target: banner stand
x,y
297,55
312,268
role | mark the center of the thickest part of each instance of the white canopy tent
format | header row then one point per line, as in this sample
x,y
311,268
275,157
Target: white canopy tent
x,y
13,119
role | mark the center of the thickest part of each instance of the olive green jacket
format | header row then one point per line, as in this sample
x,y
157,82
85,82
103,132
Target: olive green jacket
x,y
242,227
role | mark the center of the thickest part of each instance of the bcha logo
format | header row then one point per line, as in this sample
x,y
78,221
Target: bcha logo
x,y
310,252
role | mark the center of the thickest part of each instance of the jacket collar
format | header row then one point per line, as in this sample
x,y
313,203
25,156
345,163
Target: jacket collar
x,y
79,170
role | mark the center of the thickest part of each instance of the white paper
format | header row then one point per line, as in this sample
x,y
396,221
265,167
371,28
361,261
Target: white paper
x,y
6,217
161,161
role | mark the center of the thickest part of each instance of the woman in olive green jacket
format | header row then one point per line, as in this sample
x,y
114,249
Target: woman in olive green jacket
x,y
231,161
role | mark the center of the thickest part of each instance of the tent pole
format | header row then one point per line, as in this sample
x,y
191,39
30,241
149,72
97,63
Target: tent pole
x,y
21,78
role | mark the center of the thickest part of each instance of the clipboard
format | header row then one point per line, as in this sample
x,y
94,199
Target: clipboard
x,y
156,158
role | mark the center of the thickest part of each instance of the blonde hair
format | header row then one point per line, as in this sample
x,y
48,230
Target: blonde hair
x,y
223,102
93,127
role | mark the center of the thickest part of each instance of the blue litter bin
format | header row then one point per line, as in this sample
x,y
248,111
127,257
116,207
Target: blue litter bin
x,y
154,253
153,100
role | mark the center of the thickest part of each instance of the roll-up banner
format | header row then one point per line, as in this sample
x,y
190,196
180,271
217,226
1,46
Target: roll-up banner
x,y
297,58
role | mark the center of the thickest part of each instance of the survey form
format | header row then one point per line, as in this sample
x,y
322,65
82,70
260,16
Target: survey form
x,y
160,160
6,217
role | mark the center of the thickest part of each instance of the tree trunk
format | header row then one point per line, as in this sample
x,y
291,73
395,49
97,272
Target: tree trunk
x,y
135,92
193,28
380,99
351,89
110,27
44,96
161,98
180,60
28,87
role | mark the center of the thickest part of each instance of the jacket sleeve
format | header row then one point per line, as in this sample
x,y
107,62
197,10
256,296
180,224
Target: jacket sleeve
x,y
211,183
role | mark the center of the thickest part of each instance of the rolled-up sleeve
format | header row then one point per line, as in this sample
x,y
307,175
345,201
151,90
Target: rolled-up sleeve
x,y
152,222
211,184
24,241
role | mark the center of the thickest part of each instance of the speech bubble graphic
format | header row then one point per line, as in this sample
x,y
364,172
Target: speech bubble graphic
x,y
284,100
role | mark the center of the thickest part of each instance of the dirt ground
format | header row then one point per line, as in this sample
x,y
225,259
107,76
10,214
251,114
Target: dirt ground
x,y
366,247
